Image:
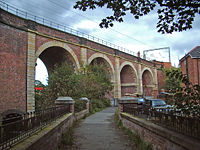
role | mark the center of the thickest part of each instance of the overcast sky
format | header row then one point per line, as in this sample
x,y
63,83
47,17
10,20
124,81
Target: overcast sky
x,y
135,35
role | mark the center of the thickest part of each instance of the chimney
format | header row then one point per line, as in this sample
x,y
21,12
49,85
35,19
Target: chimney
x,y
138,54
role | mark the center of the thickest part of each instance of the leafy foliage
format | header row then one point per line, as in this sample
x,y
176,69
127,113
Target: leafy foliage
x,y
187,97
91,81
40,96
172,80
173,15
98,104
59,83
79,105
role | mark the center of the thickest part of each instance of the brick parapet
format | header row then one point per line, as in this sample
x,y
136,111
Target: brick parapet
x,y
160,138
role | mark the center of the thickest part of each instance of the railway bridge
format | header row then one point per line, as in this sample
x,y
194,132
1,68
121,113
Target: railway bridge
x,y
22,41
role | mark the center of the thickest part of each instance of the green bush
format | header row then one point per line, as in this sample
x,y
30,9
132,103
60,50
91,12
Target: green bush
x,y
106,102
185,98
79,105
92,82
98,104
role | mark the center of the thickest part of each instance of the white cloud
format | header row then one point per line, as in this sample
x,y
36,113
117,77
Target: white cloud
x,y
86,25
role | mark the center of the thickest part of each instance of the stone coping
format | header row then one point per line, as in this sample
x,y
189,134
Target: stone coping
x,y
125,100
180,139
81,114
64,100
84,99
85,111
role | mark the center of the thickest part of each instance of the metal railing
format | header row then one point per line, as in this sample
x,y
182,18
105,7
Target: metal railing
x,y
170,119
132,109
61,27
15,129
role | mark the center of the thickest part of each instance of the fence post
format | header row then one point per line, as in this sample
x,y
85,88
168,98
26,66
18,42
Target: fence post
x,y
87,102
66,101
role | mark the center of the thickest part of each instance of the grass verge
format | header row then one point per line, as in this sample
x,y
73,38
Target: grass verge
x,y
134,137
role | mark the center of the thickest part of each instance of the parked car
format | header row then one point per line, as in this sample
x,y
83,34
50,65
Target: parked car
x,y
157,104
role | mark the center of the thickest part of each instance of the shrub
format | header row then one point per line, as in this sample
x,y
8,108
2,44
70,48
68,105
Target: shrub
x,y
186,97
98,104
92,82
79,105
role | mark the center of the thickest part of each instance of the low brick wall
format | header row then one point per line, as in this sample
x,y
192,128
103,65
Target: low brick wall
x,y
81,114
160,138
49,137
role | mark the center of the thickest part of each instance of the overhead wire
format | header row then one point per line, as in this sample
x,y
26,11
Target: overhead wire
x,y
98,23
88,18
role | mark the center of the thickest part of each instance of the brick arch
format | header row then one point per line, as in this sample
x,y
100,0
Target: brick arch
x,y
128,79
147,69
147,84
99,55
131,65
46,45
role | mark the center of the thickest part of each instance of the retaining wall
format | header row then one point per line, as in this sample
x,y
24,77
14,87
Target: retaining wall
x,y
160,138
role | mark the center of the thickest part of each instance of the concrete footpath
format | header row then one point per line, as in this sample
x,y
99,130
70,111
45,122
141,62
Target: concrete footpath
x,y
98,132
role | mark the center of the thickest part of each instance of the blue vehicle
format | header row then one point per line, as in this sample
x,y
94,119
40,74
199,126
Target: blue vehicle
x,y
158,104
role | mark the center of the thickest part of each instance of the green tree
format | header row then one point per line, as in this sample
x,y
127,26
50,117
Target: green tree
x,y
172,82
91,81
173,15
187,97
59,81
40,95
96,81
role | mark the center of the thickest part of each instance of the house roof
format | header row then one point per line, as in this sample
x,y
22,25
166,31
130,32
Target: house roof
x,y
194,53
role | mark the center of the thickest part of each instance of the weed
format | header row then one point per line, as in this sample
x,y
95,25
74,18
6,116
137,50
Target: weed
x,y
67,137
134,137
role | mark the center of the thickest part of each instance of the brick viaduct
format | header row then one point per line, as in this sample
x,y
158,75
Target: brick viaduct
x,y
23,41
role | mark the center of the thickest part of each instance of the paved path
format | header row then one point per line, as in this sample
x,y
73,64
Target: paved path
x,y
98,132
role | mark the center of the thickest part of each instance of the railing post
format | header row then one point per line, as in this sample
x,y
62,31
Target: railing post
x,y
87,102
65,101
